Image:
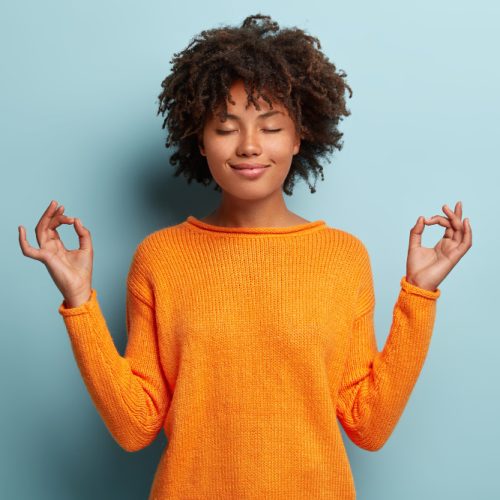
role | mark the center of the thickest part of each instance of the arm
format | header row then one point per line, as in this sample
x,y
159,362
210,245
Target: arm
x,y
129,392
376,386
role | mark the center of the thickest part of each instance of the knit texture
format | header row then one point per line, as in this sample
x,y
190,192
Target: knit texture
x,y
245,345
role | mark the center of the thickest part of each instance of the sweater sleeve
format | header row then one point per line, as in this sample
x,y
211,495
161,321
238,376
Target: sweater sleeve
x,y
130,391
376,386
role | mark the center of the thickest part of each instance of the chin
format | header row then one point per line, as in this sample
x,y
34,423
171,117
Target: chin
x,y
251,192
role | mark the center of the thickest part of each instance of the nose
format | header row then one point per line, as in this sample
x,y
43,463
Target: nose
x,y
249,144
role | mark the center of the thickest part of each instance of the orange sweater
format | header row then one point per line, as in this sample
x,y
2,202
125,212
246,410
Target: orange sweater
x,y
245,345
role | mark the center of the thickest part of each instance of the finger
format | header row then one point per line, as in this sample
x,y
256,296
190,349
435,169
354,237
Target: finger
x,y
438,219
59,216
416,233
41,229
83,235
458,235
466,242
50,209
27,249
442,221
60,219
455,222
55,221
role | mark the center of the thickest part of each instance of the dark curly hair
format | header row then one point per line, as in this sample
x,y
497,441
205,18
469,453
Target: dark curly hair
x,y
286,63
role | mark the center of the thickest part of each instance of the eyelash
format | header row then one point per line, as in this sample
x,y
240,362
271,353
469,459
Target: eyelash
x,y
225,132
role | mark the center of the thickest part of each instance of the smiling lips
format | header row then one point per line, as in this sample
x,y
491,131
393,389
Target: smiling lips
x,y
250,170
248,166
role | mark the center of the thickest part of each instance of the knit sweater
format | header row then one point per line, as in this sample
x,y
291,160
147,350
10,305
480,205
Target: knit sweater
x,y
245,345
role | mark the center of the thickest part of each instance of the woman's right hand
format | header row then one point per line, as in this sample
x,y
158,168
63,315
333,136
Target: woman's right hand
x,y
71,270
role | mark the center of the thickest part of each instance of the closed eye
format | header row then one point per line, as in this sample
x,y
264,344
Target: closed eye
x,y
225,132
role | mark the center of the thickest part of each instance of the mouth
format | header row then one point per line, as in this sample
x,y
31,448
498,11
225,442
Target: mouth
x,y
249,166
249,171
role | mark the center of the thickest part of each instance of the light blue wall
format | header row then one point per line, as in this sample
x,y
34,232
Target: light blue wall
x,y
78,124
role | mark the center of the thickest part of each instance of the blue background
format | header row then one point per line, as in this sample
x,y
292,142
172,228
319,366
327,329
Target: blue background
x,y
78,100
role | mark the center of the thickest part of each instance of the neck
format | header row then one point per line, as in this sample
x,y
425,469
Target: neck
x,y
267,212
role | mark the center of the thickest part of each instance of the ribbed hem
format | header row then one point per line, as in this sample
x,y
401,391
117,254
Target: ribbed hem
x,y
82,308
408,287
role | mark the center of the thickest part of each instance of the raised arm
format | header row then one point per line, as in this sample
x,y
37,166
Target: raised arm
x,y
376,386
130,391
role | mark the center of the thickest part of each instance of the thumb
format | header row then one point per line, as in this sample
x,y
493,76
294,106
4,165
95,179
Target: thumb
x,y
83,235
416,233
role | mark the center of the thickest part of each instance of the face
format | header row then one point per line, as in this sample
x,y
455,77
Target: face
x,y
249,137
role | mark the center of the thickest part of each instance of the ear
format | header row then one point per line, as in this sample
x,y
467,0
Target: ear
x,y
200,145
296,146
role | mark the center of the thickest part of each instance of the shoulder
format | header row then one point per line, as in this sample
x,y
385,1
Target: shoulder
x,y
156,247
160,239
351,245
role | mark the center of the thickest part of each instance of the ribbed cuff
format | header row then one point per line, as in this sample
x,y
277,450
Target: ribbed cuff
x,y
84,308
410,288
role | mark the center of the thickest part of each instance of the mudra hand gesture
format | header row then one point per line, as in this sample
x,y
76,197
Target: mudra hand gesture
x,y
71,270
427,267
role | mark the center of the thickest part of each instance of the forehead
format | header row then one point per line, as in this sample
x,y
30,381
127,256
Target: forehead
x,y
239,97
240,104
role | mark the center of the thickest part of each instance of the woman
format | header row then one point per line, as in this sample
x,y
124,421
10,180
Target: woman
x,y
250,331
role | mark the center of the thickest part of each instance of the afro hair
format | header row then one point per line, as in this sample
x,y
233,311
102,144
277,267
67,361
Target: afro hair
x,y
284,65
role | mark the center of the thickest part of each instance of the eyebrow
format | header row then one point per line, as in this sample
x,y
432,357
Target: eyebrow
x,y
263,115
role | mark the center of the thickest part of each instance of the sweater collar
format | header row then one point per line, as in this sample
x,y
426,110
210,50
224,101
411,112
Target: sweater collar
x,y
197,224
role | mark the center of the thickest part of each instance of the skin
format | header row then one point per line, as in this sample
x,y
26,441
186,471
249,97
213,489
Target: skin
x,y
250,138
71,270
245,203
427,267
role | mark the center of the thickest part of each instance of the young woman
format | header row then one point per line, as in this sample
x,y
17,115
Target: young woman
x,y
250,331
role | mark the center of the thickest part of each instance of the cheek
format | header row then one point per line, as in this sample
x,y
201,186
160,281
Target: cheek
x,y
280,149
216,149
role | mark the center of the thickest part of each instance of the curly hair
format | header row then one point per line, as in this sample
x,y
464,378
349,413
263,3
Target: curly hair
x,y
278,65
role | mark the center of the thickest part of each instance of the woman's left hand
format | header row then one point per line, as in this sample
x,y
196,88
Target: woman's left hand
x,y
427,267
